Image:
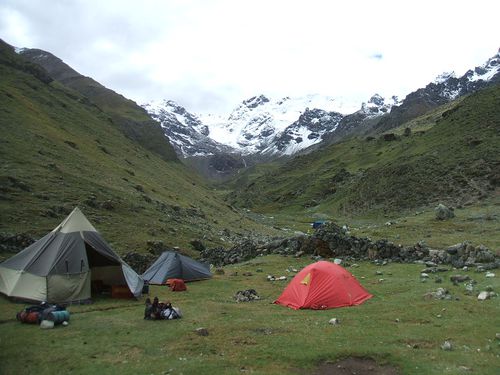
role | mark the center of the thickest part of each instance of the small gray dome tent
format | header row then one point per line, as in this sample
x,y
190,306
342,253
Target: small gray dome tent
x,y
61,266
172,265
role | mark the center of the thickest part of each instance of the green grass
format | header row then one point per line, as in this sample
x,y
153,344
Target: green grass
x,y
264,338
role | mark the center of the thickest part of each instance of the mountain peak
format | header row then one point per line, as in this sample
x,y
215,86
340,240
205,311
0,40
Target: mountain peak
x,y
255,101
443,77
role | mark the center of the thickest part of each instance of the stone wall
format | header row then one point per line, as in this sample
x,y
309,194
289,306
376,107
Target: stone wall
x,y
332,241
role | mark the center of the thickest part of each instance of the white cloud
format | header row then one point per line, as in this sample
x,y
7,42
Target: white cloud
x,y
210,55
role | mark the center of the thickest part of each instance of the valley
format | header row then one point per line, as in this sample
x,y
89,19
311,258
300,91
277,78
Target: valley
x,y
154,180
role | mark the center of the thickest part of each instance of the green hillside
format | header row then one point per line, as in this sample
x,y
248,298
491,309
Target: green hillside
x,y
449,155
131,119
60,150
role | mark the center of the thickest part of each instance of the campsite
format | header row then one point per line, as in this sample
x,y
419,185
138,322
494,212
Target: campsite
x,y
300,235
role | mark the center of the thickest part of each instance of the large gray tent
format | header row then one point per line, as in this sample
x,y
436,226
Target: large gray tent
x,y
61,266
172,265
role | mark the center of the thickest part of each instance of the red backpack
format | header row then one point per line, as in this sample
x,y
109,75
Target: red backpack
x,y
177,285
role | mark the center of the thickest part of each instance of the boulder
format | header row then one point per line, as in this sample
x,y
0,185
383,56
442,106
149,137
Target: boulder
x,y
443,212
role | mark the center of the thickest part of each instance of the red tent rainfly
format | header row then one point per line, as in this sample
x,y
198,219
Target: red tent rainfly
x,y
323,285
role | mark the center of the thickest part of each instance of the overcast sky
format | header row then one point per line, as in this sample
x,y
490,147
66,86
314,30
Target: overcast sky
x,y
209,55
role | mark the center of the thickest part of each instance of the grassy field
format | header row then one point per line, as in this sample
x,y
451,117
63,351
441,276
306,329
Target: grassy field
x,y
397,326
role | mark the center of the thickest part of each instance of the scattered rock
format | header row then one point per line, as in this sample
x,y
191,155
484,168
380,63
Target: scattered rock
x,y
440,293
455,279
201,331
469,288
334,321
273,278
489,274
447,345
484,295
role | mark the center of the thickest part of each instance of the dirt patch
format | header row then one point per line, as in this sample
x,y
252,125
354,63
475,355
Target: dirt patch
x,y
354,365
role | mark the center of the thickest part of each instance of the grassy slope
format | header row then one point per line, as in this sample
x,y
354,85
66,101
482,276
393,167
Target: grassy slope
x,y
451,157
130,118
58,150
262,338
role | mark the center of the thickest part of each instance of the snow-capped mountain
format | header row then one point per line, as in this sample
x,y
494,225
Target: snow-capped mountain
x,y
269,127
258,125
261,125
187,134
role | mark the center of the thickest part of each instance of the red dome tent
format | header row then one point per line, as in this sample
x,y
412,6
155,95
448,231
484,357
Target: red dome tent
x,y
323,285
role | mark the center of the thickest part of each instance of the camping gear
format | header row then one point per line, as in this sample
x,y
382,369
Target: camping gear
x,y
172,265
323,285
62,266
32,317
43,311
58,316
176,285
170,313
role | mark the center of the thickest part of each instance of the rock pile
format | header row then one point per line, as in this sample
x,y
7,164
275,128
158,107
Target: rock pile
x,y
246,295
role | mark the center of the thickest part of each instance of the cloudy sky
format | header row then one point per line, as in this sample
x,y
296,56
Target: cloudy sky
x,y
209,55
